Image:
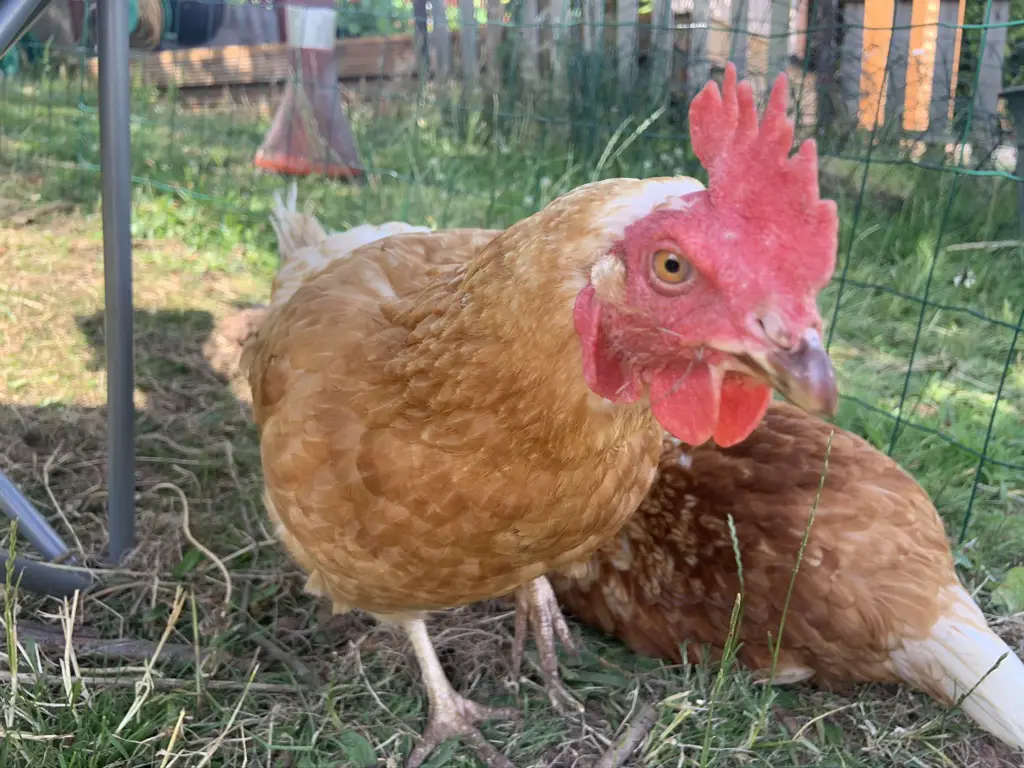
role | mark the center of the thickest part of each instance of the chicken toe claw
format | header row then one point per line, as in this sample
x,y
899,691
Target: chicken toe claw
x,y
537,609
564,703
455,718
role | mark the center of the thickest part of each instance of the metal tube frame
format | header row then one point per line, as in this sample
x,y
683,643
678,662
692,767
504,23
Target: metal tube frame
x,y
116,183
16,16
15,19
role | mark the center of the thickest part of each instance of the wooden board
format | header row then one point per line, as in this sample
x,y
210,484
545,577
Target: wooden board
x,y
358,58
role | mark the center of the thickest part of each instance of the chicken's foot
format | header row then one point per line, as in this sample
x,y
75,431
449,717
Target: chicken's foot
x,y
451,715
537,609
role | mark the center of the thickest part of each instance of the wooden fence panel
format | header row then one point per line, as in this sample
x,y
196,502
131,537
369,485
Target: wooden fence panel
x,y
899,58
698,68
662,43
778,44
626,15
990,79
468,44
947,42
528,47
851,59
442,42
739,20
593,26
495,17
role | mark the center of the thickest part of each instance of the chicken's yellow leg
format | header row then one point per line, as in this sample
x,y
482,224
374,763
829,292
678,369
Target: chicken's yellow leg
x,y
537,609
451,715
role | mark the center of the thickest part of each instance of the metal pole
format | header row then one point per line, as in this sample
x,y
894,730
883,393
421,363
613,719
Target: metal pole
x,y
32,525
16,16
44,578
35,576
116,183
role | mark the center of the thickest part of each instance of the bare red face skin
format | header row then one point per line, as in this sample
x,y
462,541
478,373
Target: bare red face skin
x,y
693,398
757,246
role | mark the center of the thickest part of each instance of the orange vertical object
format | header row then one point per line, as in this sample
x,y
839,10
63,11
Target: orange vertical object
x,y
801,26
878,16
921,65
923,53
310,133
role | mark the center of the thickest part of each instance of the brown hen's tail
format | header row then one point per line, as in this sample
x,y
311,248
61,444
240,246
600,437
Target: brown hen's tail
x,y
299,237
963,655
306,248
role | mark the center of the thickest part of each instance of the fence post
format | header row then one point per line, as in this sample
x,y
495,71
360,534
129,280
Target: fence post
x,y
529,51
778,44
419,13
662,43
878,19
495,20
943,75
899,56
851,59
468,43
826,19
990,79
626,16
698,69
442,41
557,19
739,21
799,29
593,26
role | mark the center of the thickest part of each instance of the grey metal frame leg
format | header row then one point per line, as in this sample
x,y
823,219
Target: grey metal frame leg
x,y
35,576
116,181
44,578
115,173
31,524
16,16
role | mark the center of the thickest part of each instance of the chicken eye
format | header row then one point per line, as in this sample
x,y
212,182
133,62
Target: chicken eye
x,y
670,268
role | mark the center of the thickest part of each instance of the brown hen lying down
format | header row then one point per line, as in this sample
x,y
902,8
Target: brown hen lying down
x,y
876,598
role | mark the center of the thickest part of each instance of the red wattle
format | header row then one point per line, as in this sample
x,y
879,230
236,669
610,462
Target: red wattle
x,y
744,403
685,401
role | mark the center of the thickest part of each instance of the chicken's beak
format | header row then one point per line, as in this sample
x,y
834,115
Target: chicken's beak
x,y
803,374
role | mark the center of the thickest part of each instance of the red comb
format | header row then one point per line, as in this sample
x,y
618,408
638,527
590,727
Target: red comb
x,y
749,164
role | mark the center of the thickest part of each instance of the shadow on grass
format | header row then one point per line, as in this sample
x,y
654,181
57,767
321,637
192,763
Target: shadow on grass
x,y
195,435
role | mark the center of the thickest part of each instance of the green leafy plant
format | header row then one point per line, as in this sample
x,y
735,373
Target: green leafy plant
x,y
362,18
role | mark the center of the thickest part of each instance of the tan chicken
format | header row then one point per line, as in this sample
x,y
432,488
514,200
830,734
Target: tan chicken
x,y
875,599
445,417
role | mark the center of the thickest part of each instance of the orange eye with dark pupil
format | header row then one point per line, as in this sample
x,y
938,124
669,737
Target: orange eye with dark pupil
x,y
670,268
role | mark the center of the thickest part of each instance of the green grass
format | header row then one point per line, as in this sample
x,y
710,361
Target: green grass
x,y
204,247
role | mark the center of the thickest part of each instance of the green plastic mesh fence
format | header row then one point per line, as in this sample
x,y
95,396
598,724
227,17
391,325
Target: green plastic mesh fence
x,y
478,113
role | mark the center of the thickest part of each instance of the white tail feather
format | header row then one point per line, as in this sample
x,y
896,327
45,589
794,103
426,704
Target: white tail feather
x,y
961,651
294,230
306,248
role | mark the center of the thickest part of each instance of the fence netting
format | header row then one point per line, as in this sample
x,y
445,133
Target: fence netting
x,y
478,112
